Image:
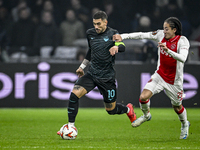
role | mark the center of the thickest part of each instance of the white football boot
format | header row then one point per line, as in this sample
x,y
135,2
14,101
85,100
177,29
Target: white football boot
x,y
185,130
140,120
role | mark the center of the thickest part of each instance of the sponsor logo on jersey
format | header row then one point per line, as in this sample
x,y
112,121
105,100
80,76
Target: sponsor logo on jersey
x,y
164,52
173,46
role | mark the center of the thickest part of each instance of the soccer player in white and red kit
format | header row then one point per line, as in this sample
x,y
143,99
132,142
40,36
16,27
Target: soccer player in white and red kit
x,y
172,53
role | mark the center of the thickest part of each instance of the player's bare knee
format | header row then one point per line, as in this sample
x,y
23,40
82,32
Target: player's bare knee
x,y
79,91
143,97
110,108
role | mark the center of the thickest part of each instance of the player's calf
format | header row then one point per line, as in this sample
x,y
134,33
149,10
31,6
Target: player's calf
x,y
119,109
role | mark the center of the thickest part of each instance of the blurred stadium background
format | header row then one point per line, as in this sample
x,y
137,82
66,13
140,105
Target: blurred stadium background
x,y
43,42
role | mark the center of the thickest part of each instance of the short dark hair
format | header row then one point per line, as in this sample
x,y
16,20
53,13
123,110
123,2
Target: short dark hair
x,y
100,15
175,23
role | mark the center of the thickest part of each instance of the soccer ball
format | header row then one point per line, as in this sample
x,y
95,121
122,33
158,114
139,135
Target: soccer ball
x,y
68,132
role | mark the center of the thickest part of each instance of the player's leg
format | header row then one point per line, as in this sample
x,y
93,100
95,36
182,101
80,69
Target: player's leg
x,y
185,124
82,86
77,92
144,103
175,93
153,86
109,92
117,108
182,113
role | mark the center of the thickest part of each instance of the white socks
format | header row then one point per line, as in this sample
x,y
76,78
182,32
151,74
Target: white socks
x,y
71,124
182,114
145,107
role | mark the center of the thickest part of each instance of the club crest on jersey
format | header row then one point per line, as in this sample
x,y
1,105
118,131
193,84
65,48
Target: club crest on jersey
x,y
106,38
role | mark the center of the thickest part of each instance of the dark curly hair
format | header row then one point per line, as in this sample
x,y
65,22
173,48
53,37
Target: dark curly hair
x,y
175,23
100,15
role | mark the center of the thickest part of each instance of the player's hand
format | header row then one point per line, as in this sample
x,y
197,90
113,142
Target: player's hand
x,y
163,46
113,50
80,72
117,38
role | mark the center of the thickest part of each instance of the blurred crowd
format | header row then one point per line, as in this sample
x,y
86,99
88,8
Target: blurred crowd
x,y
28,25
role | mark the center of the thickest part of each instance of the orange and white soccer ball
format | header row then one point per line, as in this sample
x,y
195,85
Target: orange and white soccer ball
x,y
68,132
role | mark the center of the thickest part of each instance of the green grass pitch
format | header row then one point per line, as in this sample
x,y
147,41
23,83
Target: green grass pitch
x,y
36,129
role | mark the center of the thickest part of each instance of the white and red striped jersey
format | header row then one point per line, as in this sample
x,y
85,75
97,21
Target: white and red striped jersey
x,y
171,63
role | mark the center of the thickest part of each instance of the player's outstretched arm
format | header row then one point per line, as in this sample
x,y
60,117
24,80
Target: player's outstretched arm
x,y
138,35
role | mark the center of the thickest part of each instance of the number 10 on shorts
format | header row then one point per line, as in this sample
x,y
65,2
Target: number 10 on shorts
x,y
111,94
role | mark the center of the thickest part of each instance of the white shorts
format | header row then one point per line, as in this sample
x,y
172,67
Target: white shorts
x,y
175,92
